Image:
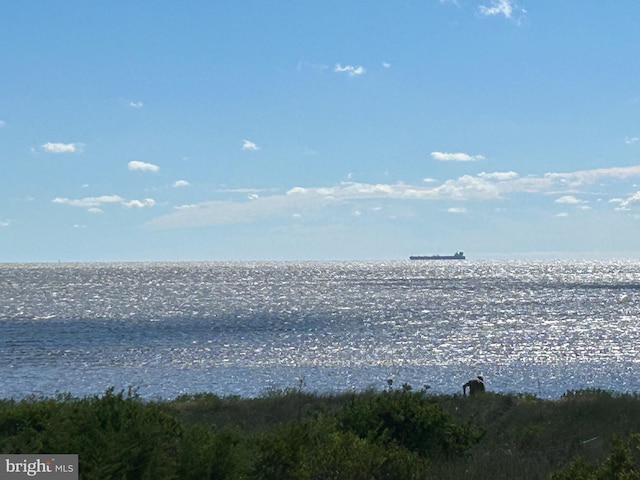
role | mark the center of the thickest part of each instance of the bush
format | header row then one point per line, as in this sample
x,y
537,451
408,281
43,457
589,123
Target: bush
x,y
622,464
407,419
397,434
318,449
205,454
115,435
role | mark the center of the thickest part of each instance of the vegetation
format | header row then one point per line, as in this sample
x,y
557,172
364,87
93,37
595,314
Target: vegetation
x,y
293,434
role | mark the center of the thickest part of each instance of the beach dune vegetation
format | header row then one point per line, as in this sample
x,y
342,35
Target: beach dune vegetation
x,y
294,434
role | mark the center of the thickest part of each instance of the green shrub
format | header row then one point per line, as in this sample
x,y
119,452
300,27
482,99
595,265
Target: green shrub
x,y
408,419
343,455
115,435
622,464
280,452
204,454
318,449
396,434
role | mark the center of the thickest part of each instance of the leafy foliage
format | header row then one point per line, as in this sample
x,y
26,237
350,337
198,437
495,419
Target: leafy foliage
x,y
407,419
622,464
292,434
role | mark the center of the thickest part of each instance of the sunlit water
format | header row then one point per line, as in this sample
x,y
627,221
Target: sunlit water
x,y
244,328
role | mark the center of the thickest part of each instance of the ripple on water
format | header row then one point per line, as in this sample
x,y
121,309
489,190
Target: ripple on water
x,y
168,328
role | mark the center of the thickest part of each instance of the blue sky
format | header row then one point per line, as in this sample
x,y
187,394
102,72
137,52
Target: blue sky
x,y
289,130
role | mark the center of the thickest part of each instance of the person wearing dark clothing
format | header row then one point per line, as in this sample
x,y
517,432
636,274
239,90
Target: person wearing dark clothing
x,y
475,385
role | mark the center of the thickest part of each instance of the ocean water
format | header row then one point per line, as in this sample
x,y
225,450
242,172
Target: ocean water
x,y
248,327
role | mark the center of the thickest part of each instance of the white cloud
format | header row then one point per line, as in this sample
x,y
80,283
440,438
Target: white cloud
x,y
2,123
498,7
181,183
457,210
147,202
300,200
88,202
51,147
350,70
4,223
136,104
624,204
226,212
143,166
242,190
386,64
467,187
562,215
627,140
569,199
582,177
500,176
249,145
95,204
455,157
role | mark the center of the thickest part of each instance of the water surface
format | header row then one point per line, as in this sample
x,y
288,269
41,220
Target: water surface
x,y
243,328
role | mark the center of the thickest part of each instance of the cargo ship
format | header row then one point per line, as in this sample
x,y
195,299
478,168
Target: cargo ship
x,y
455,256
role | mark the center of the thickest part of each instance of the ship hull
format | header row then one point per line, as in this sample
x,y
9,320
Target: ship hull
x,y
457,256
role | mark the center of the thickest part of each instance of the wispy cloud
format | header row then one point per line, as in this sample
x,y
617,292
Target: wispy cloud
x,y
386,64
136,104
89,202
4,223
507,8
455,157
457,210
350,70
582,177
181,183
569,199
142,166
2,123
497,7
225,212
95,204
249,145
482,187
631,140
147,202
499,175
624,204
53,147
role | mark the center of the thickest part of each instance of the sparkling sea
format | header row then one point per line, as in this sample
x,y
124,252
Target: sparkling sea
x,y
245,328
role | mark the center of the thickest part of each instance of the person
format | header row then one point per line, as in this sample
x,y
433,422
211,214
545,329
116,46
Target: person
x,y
475,385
